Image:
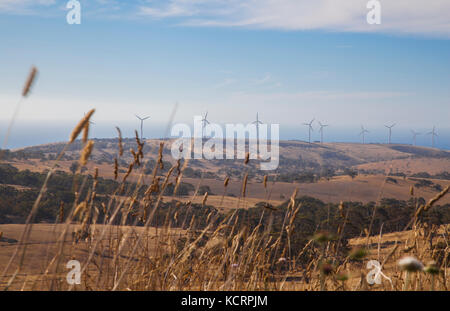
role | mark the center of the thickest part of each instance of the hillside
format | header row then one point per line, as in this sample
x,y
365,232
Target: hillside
x,y
295,155
331,172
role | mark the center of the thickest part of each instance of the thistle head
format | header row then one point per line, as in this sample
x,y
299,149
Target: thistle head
x,y
410,264
432,267
326,268
342,276
358,253
323,237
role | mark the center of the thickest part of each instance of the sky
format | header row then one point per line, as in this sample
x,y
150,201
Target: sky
x,y
289,60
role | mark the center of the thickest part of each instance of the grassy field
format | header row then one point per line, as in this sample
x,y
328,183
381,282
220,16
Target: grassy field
x,y
246,234
42,246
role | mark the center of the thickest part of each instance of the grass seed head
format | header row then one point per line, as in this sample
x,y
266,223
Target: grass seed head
x,y
119,132
85,132
30,80
80,126
86,153
205,197
244,185
116,168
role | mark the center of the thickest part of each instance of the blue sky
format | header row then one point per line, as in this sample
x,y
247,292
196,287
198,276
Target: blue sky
x,y
290,60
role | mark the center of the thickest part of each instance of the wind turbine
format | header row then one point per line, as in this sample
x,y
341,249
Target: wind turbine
x,y
257,122
310,128
363,134
204,122
433,134
390,132
142,124
414,136
321,131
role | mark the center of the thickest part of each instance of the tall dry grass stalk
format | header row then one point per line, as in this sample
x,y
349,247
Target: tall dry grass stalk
x,y
26,90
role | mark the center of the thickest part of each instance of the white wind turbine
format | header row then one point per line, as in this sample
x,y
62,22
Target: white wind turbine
x,y
433,135
310,128
142,124
390,132
322,126
363,134
204,122
414,133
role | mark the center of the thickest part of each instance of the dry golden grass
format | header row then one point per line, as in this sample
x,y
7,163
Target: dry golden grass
x,y
225,254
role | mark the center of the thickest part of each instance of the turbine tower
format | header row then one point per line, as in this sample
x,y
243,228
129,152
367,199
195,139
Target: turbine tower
x,y
204,122
310,128
414,133
390,132
363,134
321,131
433,135
142,124
257,122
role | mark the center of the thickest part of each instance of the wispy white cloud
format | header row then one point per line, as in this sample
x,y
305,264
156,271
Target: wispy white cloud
x,y
23,6
430,17
315,96
266,78
172,9
226,82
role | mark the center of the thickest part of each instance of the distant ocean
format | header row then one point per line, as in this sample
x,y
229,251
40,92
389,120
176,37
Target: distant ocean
x,y
36,133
